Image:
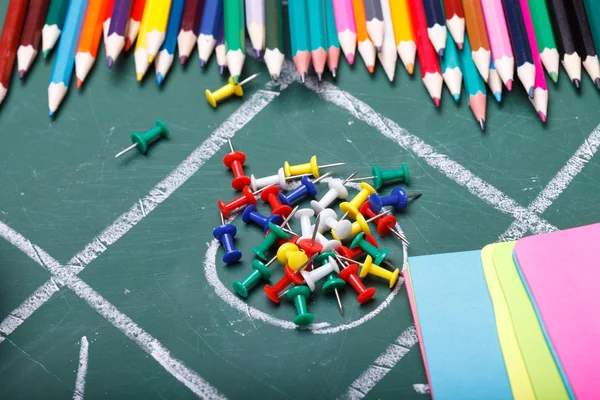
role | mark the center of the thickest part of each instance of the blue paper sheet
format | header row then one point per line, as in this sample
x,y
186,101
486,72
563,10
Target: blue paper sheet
x,y
458,327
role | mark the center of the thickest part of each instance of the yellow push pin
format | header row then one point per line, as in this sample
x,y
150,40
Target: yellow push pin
x,y
227,90
369,268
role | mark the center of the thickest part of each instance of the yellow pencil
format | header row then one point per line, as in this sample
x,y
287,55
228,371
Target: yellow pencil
x,y
141,53
157,26
404,33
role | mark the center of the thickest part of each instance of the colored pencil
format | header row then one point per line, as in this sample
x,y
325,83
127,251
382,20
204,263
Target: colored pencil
x,y
474,85
388,54
478,39
436,25
32,35
274,55
212,19
545,37
165,56
106,18
495,82
235,37
89,40
255,24
500,45
157,26
221,49
540,97
318,36
592,8
53,25
333,49
406,41
585,43
565,41
346,28
65,54
520,43
115,39
140,55
133,24
455,21
431,72
366,48
9,42
375,24
299,36
451,69
188,30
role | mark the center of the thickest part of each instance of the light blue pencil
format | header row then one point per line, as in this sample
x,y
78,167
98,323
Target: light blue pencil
x,y
333,52
318,38
165,56
474,84
451,69
65,55
495,82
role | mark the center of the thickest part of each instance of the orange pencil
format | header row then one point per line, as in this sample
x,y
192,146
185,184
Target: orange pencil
x,y
89,40
366,48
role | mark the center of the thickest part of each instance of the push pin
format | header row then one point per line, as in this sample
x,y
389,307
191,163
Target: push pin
x,y
369,268
310,168
235,161
275,232
349,275
397,199
225,234
226,91
385,225
271,180
296,262
259,271
334,283
312,277
251,215
141,141
354,253
279,205
382,177
376,253
298,295
351,208
341,232
337,190
245,199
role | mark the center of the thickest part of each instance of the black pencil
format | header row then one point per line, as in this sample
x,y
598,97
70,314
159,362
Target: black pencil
x,y
570,58
584,41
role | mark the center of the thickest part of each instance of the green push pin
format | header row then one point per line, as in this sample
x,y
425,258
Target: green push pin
x,y
298,295
275,232
259,271
381,177
141,141
377,254
333,283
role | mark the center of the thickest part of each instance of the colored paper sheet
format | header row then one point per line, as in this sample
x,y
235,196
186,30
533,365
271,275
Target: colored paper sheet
x,y
561,271
458,327
515,365
415,314
545,377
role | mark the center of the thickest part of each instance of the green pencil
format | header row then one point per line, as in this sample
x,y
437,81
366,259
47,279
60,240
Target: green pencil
x,y
545,37
54,24
235,37
592,9
274,56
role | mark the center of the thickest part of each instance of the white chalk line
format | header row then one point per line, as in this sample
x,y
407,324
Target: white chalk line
x,y
382,365
144,340
129,219
81,370
422,388
558,184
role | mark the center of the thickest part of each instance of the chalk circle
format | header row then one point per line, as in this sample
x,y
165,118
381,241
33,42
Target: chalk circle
x,y
210,270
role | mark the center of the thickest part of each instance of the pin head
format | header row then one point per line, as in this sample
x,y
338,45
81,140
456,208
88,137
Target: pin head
x,y
310,186
227,229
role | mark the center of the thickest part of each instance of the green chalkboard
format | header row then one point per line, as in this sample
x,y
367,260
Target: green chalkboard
x,y
120,251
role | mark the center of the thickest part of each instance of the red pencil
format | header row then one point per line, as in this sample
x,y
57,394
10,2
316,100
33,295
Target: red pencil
x,y
428,59
32,35
11,33
455,21
133,25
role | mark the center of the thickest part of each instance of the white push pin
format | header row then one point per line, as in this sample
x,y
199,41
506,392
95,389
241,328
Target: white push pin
x,y
328,220
312,277
309,232
271,180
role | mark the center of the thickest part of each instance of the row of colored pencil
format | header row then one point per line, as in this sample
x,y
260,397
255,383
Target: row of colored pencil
x,y
533,34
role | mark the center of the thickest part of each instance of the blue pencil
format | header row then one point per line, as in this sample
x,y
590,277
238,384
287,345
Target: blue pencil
x,y
436,25
495,82
65,55
164,59
212,15
451,69
474,84
520,42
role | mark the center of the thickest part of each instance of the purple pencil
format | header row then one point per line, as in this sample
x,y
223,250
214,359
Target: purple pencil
x,y
220,49
115,40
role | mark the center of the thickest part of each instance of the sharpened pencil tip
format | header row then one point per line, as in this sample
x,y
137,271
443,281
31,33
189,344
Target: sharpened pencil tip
x,y
140,77
22,74
530,92
151,58
127,44
509,84
221,69
482,124
460,45
437,102
236,79
79,83
498,96
320,76
47,53
371,68
334,72
350,58
159,78
554,77
410,68
456,97
441,52
50,113
542,116
202,63
110,61
258,54
577,83
378,48
597,83
183,60
275,77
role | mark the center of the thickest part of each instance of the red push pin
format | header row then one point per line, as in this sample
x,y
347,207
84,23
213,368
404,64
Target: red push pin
x,y
349,275
311,247
296,262
385,224
271,195
235,161
246,198
355,252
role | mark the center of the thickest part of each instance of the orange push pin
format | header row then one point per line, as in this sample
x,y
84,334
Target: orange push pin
x,y
227,90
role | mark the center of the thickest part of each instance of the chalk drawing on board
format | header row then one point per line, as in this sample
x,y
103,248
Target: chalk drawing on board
x,y
81,369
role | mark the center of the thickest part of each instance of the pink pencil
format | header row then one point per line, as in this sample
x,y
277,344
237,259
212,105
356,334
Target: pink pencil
x,y
500,45
540,91
346,29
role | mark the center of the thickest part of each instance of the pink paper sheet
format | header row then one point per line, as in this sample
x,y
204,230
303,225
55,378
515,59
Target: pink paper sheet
x,y
562,273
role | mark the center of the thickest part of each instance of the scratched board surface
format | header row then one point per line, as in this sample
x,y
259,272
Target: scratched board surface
x,y
120,251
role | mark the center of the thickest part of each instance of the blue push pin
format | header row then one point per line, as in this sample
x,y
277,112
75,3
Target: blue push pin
x,y
225,233
251,215
398,199
307,187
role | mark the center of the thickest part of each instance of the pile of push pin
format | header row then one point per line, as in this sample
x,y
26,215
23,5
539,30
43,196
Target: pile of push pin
x,y
310,256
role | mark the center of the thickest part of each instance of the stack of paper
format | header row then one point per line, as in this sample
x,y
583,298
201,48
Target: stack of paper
x,y
515,320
